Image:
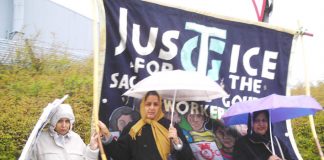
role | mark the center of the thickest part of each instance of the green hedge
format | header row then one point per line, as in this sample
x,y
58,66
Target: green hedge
x,y
25,90
301,126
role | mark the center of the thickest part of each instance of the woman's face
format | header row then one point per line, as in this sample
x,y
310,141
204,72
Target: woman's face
x,y
122,121
228,140
225,137
152,106
260,124
63,126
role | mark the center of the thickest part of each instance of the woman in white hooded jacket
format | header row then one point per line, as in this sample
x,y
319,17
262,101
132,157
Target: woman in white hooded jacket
x,y
59,142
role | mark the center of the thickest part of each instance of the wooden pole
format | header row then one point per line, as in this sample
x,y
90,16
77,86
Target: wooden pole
x,y
288,93
308,93
98,67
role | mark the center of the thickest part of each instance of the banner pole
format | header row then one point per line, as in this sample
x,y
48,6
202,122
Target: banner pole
x,y
96,72
288,93
308,93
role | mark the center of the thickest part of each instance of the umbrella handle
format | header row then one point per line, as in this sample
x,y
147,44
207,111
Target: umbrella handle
x,y
172,108
270,127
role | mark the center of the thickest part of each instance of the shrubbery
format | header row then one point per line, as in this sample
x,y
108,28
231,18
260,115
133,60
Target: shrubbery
x,y
35,80
26,88
301,126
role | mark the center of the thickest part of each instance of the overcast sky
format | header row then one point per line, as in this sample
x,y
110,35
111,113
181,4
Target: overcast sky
x,y
286,13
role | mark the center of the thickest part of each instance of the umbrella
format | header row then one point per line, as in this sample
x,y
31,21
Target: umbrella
x,y
189,86
47,114
178,85
280,108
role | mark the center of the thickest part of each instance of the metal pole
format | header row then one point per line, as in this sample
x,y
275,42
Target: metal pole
x,y
172,108
271,139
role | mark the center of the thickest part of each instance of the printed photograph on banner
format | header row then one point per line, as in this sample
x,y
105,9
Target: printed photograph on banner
x,y
208,138
121,117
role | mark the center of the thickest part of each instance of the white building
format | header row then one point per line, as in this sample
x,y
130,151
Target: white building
x,y
54,24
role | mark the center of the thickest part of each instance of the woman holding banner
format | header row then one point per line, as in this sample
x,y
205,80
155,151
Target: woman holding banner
x,y
256,144
60,142
149,138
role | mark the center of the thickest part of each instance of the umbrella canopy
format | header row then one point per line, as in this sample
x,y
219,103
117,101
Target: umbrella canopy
x,y
45,117
280,108
188,86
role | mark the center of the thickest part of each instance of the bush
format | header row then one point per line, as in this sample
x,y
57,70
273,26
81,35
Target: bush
x,y
27,86
301,126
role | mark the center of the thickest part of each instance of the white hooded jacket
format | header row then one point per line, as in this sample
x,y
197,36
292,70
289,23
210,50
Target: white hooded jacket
x,y
53,146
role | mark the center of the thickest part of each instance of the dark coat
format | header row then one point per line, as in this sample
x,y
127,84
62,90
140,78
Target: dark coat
x,y
144,147
246,148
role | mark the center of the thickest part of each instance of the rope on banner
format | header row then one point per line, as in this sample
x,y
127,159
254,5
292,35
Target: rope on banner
x,y
260,14
302,31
